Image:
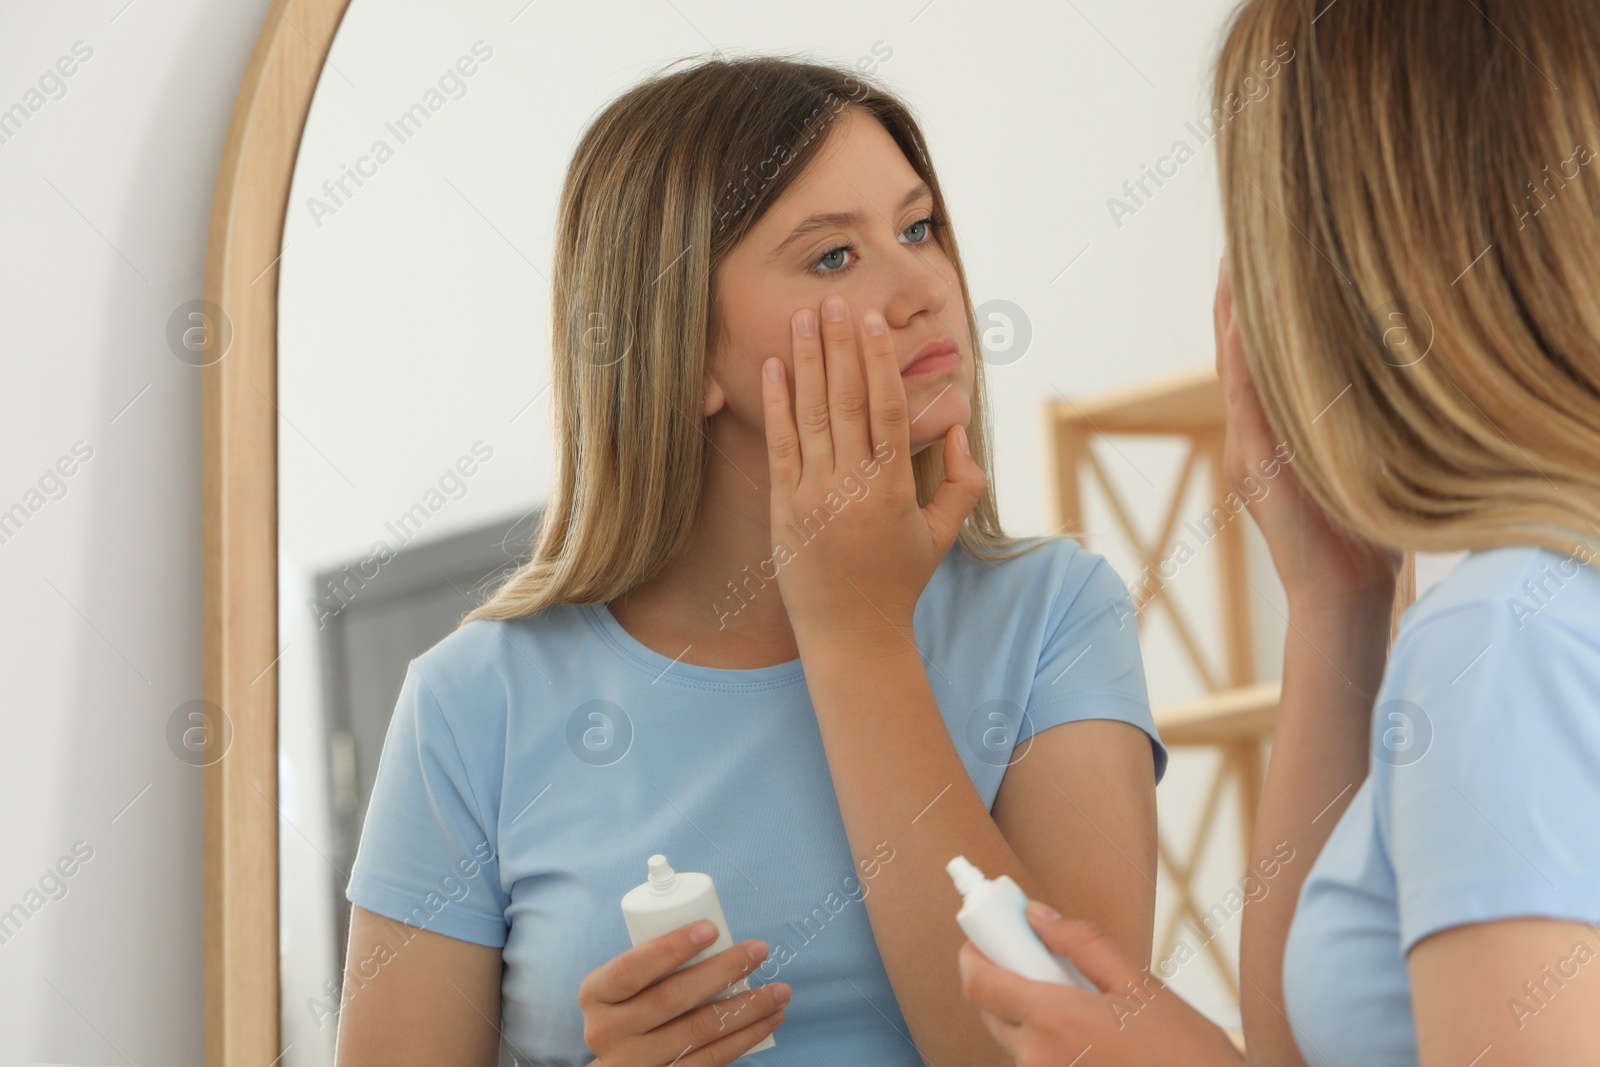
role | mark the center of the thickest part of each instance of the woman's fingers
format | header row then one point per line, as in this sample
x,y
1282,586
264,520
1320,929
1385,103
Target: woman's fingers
x,y
1007,1035
630,972
1221,306
1006,995
1247,433
1091,950
886,391
811,391
783,443
847,403
962,488
847,387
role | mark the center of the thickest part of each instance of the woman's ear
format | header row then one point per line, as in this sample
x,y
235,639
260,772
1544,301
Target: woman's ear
x,y
713,398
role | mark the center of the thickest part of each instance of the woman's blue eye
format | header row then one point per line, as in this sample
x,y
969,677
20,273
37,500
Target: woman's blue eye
x,y
927,223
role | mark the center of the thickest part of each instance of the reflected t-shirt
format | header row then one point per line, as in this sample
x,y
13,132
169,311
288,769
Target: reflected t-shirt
x,y
1481,801
533,765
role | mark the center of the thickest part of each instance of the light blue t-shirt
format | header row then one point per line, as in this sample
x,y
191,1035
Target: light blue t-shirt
x,y
532,766
1482,800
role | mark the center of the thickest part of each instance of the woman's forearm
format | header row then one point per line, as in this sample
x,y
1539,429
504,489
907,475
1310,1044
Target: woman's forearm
x,y
1333,662
900,781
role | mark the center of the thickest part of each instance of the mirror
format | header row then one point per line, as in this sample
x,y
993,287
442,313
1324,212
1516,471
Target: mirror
x,y
412,446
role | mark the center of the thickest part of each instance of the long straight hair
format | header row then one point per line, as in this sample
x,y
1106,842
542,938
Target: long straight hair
x,y
662,186
1413,222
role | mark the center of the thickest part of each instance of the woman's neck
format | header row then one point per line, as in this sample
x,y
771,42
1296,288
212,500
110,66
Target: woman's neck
x,y
717,604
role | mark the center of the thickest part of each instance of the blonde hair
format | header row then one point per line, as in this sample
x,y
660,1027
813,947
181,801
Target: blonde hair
x,y
1414,247
663,184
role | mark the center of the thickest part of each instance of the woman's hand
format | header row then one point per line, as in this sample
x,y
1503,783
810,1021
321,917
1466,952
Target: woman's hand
x,y
1318,561
1134,1021
852,546
636,1013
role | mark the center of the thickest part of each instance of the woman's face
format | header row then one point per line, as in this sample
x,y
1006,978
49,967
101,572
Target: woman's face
x,y
877,252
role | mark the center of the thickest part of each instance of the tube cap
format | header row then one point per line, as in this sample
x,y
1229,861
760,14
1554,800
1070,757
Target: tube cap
x,y
661,873
965,875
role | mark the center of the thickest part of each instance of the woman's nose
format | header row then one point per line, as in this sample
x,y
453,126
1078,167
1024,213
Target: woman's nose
x,y
917,285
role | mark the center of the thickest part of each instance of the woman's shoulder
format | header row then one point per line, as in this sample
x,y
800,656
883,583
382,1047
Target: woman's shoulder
x,y
1502,655
1506,591
490,658
1053,573
1048,560
1484,742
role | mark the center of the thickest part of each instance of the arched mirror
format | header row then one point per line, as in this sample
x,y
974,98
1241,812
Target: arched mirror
x,y
377,421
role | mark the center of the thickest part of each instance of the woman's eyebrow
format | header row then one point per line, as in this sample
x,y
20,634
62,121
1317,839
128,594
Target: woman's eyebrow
x,y
816,222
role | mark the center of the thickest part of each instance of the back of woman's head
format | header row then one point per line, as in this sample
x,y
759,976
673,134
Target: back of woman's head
x,y
664,182
1413,223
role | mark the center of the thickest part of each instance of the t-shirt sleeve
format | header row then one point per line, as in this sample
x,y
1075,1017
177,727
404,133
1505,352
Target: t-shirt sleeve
x,y
1489,744
425,856
1090,666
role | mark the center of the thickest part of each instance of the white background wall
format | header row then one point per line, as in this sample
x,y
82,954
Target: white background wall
x,y
107,191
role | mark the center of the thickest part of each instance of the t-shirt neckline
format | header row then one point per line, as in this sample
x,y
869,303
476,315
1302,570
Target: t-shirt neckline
x,y
666,669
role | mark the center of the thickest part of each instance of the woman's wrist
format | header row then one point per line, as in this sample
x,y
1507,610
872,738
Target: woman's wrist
x,y
1343,609
1339,649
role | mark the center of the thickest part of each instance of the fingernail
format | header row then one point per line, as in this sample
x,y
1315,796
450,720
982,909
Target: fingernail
x,y
1043,912
805,323
833,308
770,368
961,439
781,995
703,932
757,950
872,322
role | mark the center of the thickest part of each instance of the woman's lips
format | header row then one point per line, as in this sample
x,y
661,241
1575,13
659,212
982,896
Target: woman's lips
x,y
934,364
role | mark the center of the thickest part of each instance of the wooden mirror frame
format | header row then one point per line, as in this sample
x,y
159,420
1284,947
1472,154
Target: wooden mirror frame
x,y
239,511
239,465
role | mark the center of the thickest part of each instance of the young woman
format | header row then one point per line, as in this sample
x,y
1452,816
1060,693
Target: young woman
x,y
771,628
1409,302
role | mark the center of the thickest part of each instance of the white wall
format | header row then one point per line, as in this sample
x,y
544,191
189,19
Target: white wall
x,y
107,192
